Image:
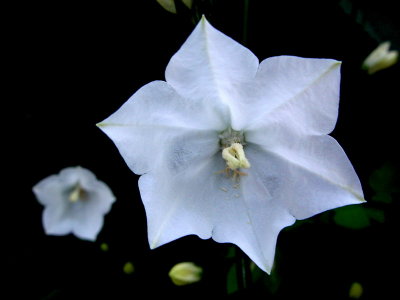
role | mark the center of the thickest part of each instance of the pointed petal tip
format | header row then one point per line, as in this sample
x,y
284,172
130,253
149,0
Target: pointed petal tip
x,y
153,245
265,267
267,270
359,196
203,21
335,64
361,199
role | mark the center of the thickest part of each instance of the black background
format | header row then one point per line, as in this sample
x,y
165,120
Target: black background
x,y
70,65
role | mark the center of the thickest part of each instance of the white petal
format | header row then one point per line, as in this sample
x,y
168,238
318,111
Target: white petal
x,y
99,195
47,190
54,220
267,217
50,193
87,219
209,67
88,214
306,175
84,218
152,119
179,195
302,93
197,199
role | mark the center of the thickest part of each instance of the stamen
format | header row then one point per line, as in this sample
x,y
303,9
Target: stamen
x,y
235,160
231,142
235,157
76,194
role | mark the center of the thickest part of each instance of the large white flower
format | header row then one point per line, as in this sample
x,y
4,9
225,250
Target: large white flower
x,y
232,149
75,202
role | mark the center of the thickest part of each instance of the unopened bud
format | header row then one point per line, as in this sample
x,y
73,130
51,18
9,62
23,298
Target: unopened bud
x,y
128,268
185,273
104,247
356,290
381,58
169,5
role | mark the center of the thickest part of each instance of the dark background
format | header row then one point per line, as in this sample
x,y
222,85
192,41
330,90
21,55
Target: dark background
x,y
70,65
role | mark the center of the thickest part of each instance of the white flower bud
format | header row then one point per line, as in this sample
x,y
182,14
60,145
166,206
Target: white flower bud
x,y
185,273
381,58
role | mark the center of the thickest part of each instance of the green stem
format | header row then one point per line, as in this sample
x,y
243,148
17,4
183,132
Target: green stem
x,y
239,269
243,272
246,272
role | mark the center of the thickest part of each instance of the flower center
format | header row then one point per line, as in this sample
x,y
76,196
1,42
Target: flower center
x,y
230,136
76,194
233,153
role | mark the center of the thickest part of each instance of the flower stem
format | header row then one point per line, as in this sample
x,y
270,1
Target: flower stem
x,y
239,269
243,272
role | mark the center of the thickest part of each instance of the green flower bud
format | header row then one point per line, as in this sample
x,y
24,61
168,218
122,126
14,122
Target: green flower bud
x,y
185,273
356,290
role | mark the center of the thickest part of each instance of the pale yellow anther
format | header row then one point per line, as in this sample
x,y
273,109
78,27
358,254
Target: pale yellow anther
x,y
76,194
235,157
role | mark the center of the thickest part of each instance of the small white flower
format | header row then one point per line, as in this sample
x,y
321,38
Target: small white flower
x,y
232,149
381,58
75,202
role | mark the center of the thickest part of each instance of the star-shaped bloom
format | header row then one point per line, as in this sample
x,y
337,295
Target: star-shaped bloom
x,y
232,149
75,202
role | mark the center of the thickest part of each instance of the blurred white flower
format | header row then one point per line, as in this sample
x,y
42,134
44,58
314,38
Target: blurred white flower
x,y
75,202
185,273
381,58
232,149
